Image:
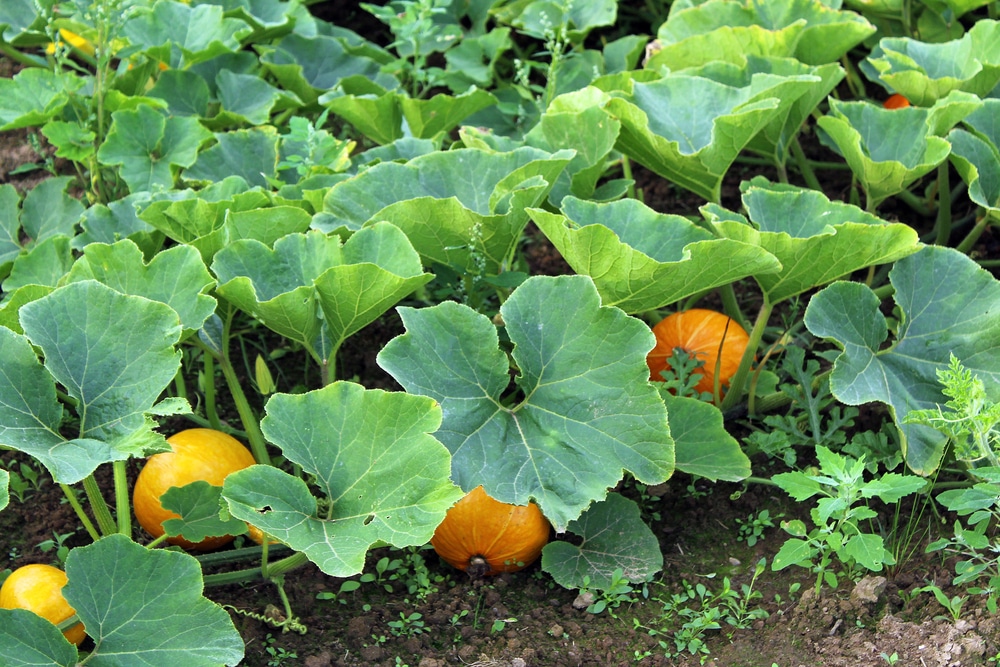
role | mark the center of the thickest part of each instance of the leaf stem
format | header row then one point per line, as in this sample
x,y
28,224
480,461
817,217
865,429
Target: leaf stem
x,y
101,511
249,419
943,223
803,164
208,388
80,513
738,381
123,509
977,230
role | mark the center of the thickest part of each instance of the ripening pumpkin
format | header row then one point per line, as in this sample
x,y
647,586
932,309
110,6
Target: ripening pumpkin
x,y
198,454
896,101
38,588
702,334
483,536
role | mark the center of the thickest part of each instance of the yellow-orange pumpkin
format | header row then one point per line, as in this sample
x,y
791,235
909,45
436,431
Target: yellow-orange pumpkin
x,y
896,101
483,536
38,588
198,454
704,334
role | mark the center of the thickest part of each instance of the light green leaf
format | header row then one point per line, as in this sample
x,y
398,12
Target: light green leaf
x,y
19,18
4,483
200,32
118,220
185,92
797,484
613,537
963,320
44,264
150,146
868,550
48,211
245,98
176,276
73,141
540,18
450,202
925,73
113,353
10,226
33,96
28,640
640,259
891,486
198,505
702,445
815,239
792,552
690,129
976,155
120,590
251,154
584,409
888,149
372,456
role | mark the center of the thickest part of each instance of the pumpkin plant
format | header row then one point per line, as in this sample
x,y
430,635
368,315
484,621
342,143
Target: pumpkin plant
x,y
483,536
38,588
708,336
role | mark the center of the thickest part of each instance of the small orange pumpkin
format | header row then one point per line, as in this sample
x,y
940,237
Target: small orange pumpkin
x,y
704,334
38,588
197,454
483,536
896,101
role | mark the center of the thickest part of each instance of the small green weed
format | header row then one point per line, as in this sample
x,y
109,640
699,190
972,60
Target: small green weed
x,y
408,625
752,528
278,655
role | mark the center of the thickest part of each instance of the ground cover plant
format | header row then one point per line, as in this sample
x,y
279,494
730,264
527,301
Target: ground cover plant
x,y
241,198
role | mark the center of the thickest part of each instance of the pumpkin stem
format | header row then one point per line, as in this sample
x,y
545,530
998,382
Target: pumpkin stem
x,y
478,567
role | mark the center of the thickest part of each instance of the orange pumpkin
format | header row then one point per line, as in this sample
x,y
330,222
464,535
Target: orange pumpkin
x,y
38,588
896,101
704,334
198,454
483,536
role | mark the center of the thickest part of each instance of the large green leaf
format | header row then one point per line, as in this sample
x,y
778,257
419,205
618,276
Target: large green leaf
x,y
145,607
372,457
888,149
251,154
150,147
308,283
28,640
690,129
176,276
812,31
44,263
925,73
639,259
538,19
200,32
948,306
976,155
112,353
33,96
815,239
702,444
49,211
613,537
455,206
197,506
583,410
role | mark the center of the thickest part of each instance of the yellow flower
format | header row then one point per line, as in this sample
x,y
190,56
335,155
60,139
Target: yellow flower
x,y
81,44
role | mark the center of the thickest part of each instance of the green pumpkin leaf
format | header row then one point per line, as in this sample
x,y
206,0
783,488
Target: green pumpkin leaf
x,y
73,141
48,211
246,98
815,239
4,483
449,203
34,96
583,410
703,446
149,147
976,155
888,149
185,92
251,154
176,276
121,589
373,458
28,640
198,505
925,73
639,259
904,376
200,32
613,537
44,264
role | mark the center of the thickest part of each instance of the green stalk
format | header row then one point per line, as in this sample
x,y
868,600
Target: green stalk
x,y
738,381
208,371
298,559
250,423
917,204
23,58
123,509
943,224
804,167
236,555
99,505
977,230
731,305
80,513
633,192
